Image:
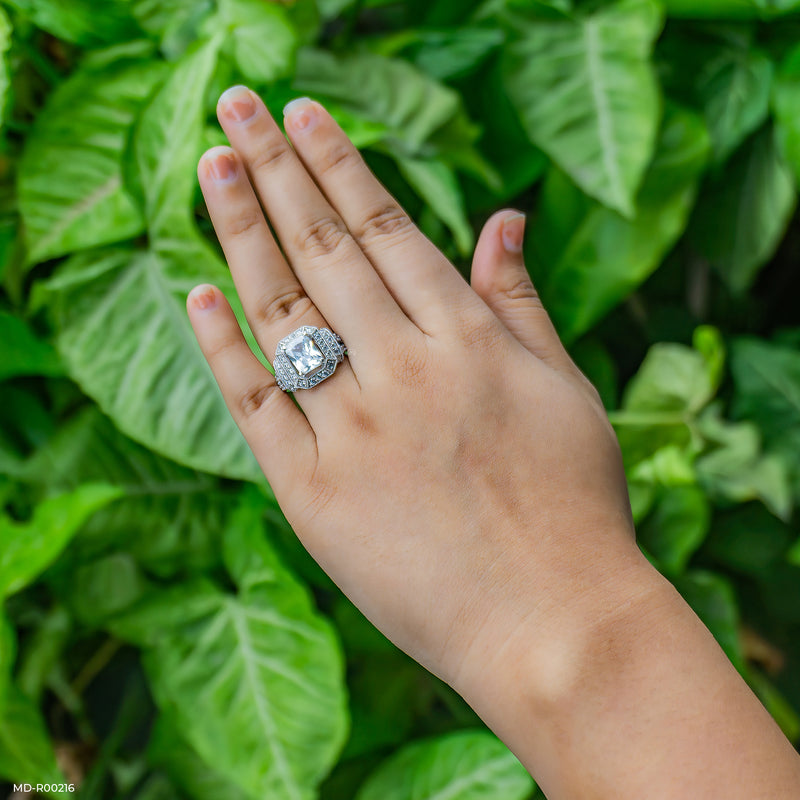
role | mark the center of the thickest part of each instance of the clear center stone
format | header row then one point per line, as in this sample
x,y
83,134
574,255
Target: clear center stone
x,y
304,354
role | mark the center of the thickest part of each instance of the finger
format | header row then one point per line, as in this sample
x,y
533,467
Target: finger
x,y
326,259
276,430
499,276
274,301
421,279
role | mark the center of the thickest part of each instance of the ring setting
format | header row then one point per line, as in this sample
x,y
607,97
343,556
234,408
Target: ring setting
x,y
306,357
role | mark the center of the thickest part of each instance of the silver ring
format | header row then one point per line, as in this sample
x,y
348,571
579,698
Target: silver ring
x,y
306,357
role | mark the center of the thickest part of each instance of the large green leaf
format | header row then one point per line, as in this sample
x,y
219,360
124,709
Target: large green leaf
x,y
735,468
586,258
260,669
26,754
26,548
662,399
786,105
8,652
167,144
170,751
424,118
734,88
676,527
84,22
767,391
123,333
175,23
169,517
22,353
730,9
5,43
587,94
437,185
749,540
743,212
467,765
71,191
263,40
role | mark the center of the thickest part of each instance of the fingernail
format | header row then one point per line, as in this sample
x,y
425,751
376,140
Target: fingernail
x,y
302,114
513,232
237,103
221,164
203,297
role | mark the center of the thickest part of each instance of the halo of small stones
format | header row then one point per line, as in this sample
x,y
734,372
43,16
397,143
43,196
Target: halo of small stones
x,y
331,346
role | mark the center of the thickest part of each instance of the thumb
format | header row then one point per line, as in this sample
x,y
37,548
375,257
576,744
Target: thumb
x,y
500,278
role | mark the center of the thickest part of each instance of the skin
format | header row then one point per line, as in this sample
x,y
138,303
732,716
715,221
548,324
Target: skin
x,y
458,477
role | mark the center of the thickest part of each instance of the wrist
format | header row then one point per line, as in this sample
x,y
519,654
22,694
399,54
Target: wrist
x,y
545,631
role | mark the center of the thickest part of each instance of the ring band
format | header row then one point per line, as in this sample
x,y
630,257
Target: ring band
x,y
306,357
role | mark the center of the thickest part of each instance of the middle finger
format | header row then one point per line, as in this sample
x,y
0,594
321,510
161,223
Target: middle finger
x,y
334,271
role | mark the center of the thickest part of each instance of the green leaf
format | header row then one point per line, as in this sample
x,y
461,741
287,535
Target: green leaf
x,y
586,258
730,9
389,91
8,653
673,378
22,353
175,23
261,670
167,145
735,468
169,517
734,89
748,539
170,751
263,39
767,391
743,212
71,191
714,601
109,586
123,332
676,527
467,765
587,95
660,403
26,548
26,754
437,185
786,106
446,54
5,78
83,22
424,118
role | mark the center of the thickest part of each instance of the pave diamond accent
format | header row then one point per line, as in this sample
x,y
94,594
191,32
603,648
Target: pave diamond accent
x,y
303,352
306,357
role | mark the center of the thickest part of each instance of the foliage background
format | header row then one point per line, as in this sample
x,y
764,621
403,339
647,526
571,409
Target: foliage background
x,y
162,634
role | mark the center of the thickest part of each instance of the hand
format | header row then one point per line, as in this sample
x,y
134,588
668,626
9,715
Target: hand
x,y
457,474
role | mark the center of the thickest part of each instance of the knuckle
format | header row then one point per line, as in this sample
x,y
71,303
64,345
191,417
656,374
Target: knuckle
x,y
252,400
292,303
322,237
335,157
269,156
384,221
223,346
408,366
523,289
243,223
481,332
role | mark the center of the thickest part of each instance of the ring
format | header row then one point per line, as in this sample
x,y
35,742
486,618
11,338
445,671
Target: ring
x,y
306,357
